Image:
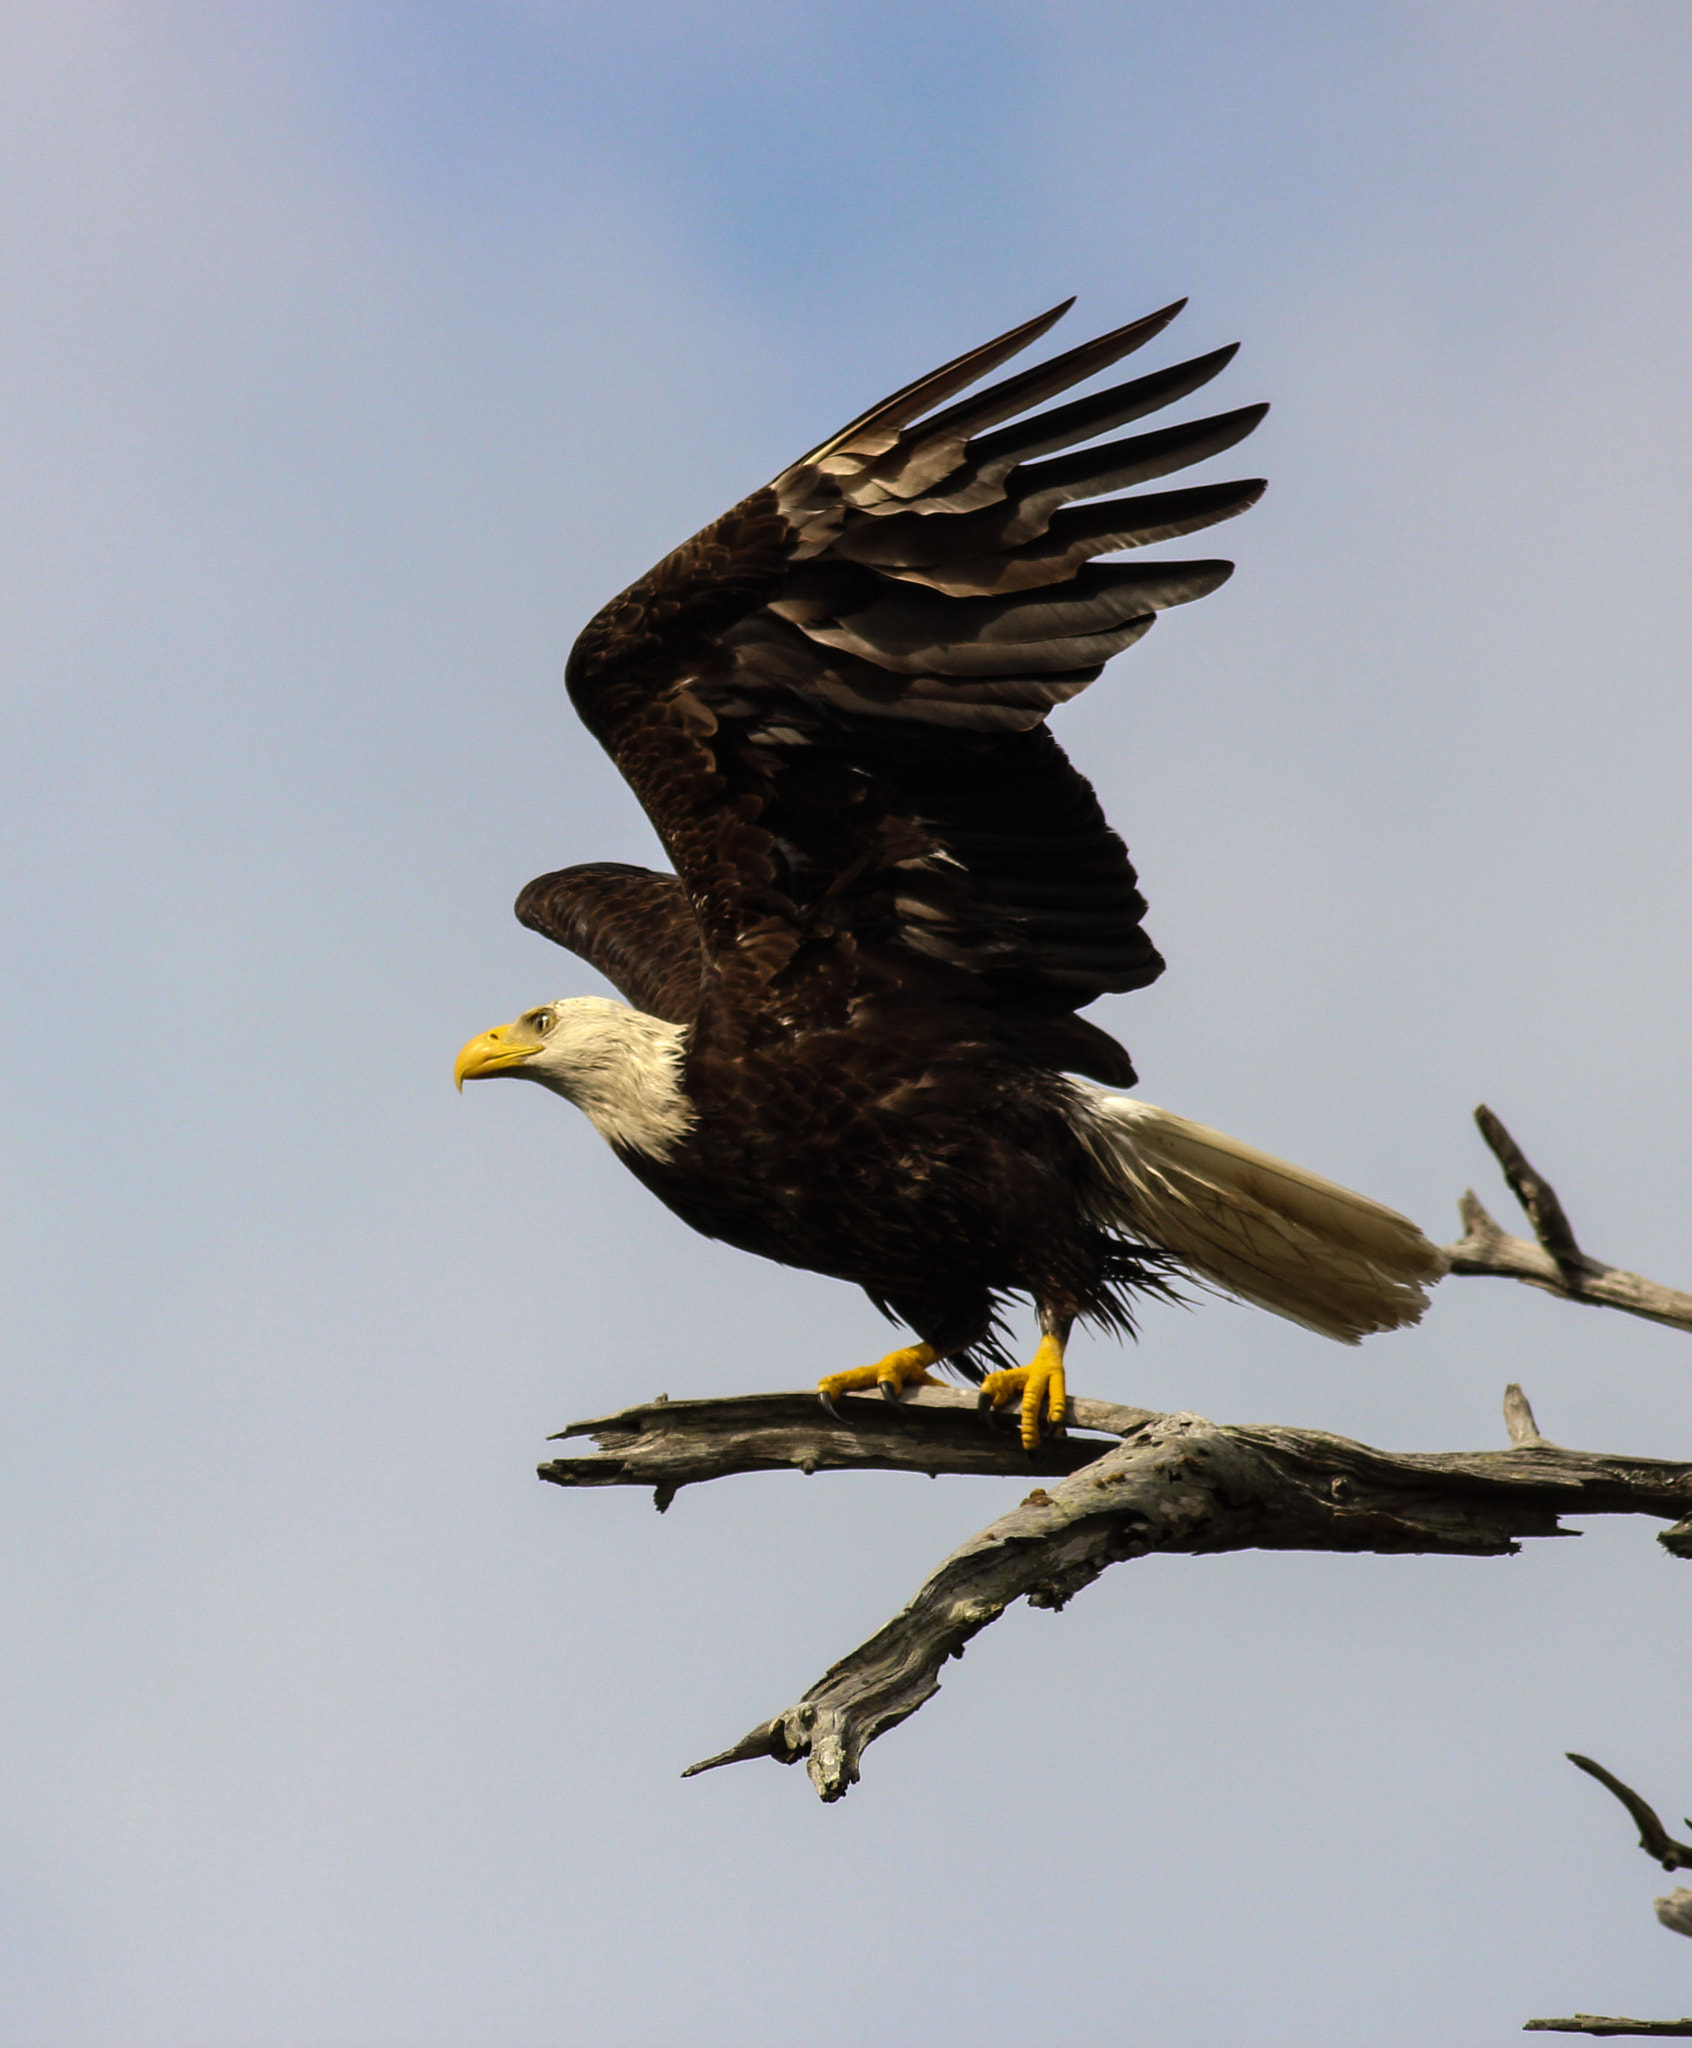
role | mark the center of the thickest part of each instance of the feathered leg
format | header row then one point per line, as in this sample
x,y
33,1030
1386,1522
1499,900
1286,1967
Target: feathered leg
x,y
1039,1384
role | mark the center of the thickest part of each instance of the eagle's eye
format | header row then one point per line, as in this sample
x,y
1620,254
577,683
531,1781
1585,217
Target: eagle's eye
x,y
539,1020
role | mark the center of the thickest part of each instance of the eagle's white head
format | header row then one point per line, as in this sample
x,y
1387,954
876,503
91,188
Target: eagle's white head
x,y
622,1068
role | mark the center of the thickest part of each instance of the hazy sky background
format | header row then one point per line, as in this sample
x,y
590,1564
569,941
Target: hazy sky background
x,y
354,354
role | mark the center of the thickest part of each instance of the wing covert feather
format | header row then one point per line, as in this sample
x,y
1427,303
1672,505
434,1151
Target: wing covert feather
x,y
635,927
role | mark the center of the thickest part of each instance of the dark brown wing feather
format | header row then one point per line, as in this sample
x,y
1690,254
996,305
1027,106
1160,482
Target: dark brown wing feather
x,y
636,927
831,702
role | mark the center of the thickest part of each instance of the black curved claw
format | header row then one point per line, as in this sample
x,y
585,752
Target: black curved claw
x,y
984,1406
891,1390
829,1405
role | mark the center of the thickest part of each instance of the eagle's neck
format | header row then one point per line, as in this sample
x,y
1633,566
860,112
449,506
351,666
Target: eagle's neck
x,y
623,1070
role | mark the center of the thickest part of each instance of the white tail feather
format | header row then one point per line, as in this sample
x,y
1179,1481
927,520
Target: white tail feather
x,y
1255,1225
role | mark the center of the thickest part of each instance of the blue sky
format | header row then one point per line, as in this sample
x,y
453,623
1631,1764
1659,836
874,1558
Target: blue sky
x,y
354,356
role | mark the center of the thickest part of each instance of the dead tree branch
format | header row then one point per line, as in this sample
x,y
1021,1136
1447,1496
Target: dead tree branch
x,y
671,1444
1169,1483
1674,1910
1592,2023
1554,1261
1654,1838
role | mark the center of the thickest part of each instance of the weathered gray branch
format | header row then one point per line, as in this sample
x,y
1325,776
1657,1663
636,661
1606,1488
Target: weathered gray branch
x,y
1554,1261
1593,2023
1674,1910
1169,1483
1518,1418
671,1444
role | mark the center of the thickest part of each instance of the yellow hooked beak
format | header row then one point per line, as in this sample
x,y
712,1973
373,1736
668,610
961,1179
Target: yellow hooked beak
x,y
506,1045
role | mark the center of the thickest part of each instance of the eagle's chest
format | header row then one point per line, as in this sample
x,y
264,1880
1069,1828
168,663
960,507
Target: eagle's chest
x,y
824,1155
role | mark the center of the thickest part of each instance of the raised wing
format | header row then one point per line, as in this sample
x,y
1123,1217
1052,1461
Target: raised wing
x,y
831,702
636,927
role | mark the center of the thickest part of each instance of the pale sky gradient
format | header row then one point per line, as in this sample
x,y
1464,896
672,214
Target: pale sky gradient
x,y
354,354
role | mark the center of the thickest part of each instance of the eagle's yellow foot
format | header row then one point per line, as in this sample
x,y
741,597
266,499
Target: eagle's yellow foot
x,y
1044,1396
907,1367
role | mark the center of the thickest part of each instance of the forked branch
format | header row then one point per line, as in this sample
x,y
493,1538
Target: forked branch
x,y
1168,1483
1553,1260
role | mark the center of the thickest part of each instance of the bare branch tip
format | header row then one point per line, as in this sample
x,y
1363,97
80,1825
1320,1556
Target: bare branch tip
x,y
1674,1909
764,1740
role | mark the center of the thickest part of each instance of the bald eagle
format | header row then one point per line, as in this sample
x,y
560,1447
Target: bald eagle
x,y
851,1041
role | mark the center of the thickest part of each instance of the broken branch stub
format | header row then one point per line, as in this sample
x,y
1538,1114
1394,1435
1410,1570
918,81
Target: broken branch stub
x,y
1674,1910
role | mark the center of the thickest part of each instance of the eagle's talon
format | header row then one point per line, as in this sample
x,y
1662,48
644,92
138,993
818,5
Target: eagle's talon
x,y
1038,1389
907,1367
990,1410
